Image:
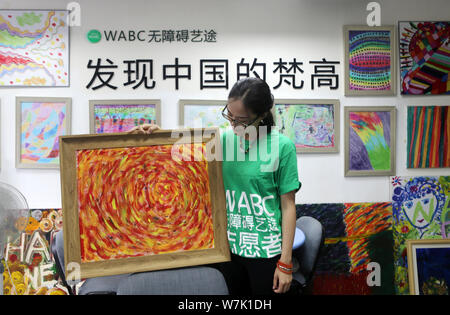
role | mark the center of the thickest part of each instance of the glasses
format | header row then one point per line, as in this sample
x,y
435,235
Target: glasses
x,y
233,121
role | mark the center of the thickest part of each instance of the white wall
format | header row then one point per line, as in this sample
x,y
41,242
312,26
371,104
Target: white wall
x,y
304,29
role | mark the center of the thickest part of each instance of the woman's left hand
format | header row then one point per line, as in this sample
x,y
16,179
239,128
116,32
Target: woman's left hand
x,y
281,281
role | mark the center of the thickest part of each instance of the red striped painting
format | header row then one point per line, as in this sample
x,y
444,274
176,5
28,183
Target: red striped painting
x,y
428,137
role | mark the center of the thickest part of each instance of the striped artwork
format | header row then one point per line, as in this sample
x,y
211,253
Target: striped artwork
x,y
370,60
424,57
428,137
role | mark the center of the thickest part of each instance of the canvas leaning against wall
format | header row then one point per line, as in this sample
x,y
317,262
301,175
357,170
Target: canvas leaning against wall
x,y
143,202
34,48
358,240
429,267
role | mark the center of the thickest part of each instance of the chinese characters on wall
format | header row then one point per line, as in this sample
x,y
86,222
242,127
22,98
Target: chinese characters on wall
x,y
213,73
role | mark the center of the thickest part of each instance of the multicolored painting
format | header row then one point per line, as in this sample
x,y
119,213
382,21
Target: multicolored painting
x,y
356,235
429,267
313,127
40,121
30,267
424,57
202,114
421,210
370,141
34,48
115,117
369,60
140,201
428,136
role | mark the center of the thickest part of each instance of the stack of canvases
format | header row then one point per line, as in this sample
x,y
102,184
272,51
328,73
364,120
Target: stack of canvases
x,y
357,235
31,269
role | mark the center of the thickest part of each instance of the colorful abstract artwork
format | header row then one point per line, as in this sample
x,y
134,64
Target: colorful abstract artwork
x,y
202,114
139,201
369,60
370,141
429,267
39,124
34,48
424,57
112,116
421,210
30,267
313,126
357,235
428,136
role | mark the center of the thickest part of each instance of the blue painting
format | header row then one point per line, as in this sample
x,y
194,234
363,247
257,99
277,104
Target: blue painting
x,y
433,270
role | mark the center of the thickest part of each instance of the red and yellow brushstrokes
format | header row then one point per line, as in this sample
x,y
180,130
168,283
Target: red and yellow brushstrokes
x,y
140,201
363,220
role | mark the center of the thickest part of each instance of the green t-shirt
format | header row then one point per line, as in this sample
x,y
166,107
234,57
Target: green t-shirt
x,y
254,182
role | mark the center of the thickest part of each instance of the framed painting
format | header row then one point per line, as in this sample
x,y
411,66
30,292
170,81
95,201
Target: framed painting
x,y
370,140
111,116
202,114
135,202
428,133
429,266
34,48
424,61
370,61
419,208
39,123
313,125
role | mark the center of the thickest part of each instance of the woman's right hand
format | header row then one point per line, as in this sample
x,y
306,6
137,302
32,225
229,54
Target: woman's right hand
x,y
144,129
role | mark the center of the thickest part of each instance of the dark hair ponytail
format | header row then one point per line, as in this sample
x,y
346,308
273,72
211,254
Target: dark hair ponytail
x,y
256,96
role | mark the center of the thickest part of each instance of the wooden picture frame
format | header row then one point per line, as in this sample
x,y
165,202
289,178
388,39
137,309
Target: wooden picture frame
x,y
392,58
66,127
70,145
335,105
372,157
413,273
184,104
118,103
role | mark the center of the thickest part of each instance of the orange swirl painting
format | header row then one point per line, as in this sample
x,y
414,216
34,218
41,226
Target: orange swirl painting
x,y
139,201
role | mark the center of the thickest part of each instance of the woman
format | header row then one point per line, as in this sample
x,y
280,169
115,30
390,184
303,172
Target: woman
x,y
260,181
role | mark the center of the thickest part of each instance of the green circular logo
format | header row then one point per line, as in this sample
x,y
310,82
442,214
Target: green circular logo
x,y
94,36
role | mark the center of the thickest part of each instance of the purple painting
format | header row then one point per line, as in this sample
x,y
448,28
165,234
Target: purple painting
x,y
369,140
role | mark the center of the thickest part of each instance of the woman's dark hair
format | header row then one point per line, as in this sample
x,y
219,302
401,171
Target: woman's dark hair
x,y
256,96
